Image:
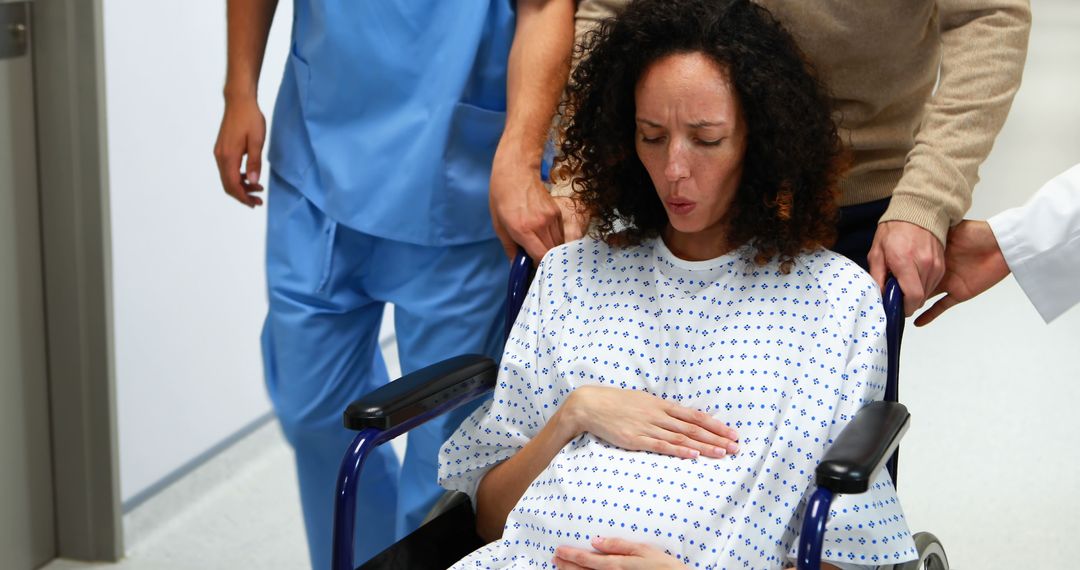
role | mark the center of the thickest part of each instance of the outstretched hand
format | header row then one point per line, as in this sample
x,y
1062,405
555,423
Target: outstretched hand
x,y
614,553
639,421
973,264
913,255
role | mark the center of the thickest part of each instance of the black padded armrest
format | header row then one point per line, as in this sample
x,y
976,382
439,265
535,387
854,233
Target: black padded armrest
x,y
422,391
862,447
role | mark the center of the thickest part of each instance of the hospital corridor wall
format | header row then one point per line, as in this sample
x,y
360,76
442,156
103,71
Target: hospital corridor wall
x,y
187,260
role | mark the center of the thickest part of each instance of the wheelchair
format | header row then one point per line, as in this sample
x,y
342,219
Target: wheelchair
x,y
871,439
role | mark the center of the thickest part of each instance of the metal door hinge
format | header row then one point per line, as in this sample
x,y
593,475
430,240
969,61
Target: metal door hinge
x,y
14,29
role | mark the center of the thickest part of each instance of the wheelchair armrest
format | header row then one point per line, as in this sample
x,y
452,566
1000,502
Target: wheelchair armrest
x,y
421,391
862,447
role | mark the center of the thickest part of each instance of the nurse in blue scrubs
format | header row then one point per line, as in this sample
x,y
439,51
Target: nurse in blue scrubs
x,y
389,119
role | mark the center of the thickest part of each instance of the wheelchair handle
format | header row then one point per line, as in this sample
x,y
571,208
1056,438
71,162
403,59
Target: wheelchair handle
x,y
894,333
521,274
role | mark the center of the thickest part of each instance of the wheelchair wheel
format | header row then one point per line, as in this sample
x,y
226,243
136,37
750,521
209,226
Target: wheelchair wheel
x,y
931,554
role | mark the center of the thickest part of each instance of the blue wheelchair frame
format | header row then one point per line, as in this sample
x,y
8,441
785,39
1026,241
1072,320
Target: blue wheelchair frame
x,y
871,438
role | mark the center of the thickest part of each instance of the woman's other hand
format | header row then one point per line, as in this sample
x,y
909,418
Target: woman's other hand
x,y
639,421
614,553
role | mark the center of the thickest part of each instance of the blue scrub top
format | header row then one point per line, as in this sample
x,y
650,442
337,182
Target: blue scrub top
x,y
390,111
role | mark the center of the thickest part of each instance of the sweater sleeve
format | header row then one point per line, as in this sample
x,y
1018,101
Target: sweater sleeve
x,y
1041,243
984,45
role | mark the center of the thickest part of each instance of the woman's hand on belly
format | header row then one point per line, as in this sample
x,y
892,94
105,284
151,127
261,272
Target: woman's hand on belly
x,y
614,553
639,421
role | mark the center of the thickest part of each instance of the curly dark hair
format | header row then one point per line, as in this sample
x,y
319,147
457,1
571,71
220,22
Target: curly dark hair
x,y
786,201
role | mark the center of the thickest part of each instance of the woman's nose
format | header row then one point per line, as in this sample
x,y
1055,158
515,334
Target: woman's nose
x,y
676,168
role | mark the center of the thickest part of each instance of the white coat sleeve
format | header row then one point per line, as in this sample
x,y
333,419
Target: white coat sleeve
x,y
1041,244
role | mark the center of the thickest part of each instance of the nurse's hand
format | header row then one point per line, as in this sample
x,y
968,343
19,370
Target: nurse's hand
x,y
242,133
614,553
639,421
522,209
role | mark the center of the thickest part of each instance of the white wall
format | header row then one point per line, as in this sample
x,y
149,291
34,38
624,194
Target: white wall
x,y
992,460
188,285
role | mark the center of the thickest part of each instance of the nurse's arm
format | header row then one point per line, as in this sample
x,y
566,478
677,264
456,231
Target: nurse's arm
x,y
243,127
522,210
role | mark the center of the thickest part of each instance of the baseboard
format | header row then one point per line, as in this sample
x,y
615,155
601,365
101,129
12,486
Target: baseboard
x,y
158,504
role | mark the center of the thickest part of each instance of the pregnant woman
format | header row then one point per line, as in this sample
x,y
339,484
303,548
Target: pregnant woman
x,y
673,379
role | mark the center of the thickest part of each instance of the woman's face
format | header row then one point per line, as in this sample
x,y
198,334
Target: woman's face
x,y
691,138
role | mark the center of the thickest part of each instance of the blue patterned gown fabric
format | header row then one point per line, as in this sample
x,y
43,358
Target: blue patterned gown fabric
x,y
786,360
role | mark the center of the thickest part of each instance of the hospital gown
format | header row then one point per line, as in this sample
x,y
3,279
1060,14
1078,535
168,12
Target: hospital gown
x,y
785,359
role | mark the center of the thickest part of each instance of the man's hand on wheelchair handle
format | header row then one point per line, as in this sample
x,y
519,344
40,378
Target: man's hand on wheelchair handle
x,y
242,132
913,255
522,210
638,421
973,264
614,553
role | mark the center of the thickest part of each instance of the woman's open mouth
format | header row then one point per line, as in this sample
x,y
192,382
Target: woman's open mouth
x,y
680,207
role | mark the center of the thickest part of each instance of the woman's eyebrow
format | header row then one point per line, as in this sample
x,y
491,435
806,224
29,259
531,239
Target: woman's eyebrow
x,y
695,125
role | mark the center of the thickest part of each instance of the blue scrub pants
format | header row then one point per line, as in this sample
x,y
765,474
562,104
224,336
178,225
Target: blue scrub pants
x,y
327,288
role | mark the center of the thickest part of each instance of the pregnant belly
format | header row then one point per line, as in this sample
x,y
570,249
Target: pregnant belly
x,y
684,507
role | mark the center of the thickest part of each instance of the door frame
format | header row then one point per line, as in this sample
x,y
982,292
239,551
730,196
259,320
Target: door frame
x,y
69,85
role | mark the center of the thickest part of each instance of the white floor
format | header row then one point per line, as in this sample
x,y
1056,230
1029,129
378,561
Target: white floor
x,y
992,461
240,510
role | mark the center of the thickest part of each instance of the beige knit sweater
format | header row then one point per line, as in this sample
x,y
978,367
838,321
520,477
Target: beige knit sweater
x,y
880,60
